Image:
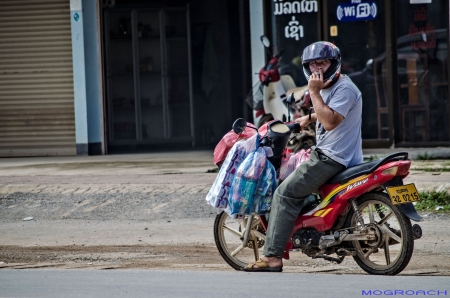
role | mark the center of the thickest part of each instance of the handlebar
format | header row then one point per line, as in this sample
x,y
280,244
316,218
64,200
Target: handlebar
x,y
294,127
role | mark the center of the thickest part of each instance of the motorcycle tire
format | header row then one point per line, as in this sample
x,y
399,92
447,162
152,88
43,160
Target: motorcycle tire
x,y
393,247
229,235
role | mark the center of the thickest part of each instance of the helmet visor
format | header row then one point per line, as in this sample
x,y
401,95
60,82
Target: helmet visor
x,y
320,50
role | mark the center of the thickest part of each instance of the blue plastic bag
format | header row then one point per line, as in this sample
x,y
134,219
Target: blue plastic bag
x,y
220,190
253,185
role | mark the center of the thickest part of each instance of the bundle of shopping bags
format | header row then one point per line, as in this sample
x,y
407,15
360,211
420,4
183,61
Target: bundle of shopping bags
x,y
247,180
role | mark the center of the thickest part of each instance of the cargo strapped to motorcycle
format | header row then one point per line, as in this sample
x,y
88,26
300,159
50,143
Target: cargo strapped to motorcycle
x,y
365,168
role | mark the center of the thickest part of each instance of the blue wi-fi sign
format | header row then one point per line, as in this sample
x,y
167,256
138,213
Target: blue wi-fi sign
x,y
356,11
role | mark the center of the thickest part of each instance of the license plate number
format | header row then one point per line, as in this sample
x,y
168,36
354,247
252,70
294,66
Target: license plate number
x,y
403,194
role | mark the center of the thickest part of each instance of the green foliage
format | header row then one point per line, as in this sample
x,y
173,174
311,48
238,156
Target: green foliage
x,y
430,200
433,169
424,156
370,158
215,170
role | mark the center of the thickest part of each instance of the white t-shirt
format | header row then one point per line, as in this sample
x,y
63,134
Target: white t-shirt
x,y
342,144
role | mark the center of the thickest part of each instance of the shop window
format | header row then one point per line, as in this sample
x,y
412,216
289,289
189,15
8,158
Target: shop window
x,y
422,73
362,44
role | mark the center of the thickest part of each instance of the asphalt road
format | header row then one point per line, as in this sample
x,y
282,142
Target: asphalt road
x,y
160,283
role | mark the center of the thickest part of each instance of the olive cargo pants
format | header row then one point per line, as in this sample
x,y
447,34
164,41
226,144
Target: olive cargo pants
x,y
289,199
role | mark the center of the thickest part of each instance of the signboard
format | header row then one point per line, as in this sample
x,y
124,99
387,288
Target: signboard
x,y
294,29
356,10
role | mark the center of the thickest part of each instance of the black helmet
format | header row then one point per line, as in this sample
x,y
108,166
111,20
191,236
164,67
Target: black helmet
x,y
322,50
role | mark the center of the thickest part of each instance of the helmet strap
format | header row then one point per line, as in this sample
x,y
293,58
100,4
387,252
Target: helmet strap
x,y
335,79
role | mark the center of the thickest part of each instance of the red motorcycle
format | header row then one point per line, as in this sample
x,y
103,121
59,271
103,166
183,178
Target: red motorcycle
x,y
364,211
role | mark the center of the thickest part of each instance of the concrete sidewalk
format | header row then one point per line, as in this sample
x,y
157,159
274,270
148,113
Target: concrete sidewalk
x,y
175,162
127,172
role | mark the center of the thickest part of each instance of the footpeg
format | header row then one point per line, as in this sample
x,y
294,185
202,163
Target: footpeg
x,y
345,252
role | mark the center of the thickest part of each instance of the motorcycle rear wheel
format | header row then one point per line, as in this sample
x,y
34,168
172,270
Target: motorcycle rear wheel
x,y
229,235
391,252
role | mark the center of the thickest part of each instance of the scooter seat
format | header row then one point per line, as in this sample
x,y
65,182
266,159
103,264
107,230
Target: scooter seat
x,y
365,168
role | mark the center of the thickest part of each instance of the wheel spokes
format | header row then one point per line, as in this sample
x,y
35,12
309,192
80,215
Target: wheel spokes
x,y
235,232
392,235
259,234
371,217
369,252
255,249
387,254
380,255
386,218
237,250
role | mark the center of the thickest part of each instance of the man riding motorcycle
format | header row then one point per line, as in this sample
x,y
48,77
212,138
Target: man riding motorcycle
x,y
337,110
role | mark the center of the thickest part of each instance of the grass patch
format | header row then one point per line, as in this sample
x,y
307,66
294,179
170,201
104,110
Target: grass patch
x,y
430,201
432,169
371,158
424,156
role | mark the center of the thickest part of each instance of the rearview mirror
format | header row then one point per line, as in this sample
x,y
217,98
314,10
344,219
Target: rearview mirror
x,y
290,100
239,125
265,41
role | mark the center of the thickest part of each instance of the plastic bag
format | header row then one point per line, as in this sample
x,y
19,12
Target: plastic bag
x,y
227,142
292,161
253,185
220,189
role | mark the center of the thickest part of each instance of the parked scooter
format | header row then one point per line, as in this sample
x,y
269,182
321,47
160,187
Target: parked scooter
x,y
364,211
307,137
269,100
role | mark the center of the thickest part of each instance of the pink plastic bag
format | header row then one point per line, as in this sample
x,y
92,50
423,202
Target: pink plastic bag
x,y
292,161
227,142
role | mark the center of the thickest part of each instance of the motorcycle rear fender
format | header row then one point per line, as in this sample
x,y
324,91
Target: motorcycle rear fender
x,y
409,210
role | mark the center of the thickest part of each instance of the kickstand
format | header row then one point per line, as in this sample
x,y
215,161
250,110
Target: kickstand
x,y
338,260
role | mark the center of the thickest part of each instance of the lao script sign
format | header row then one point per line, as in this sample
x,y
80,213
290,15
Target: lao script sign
x,y
356,11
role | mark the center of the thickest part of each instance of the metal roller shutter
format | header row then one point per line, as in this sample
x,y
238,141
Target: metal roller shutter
x,y
36,79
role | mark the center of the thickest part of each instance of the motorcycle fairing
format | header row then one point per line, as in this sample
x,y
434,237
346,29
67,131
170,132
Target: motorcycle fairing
x,y
336,195
338,190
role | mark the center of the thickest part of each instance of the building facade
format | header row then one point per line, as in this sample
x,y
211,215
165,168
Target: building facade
x,y
396,52
106,76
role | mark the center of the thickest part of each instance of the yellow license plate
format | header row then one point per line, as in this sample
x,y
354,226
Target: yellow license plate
x,y
403,194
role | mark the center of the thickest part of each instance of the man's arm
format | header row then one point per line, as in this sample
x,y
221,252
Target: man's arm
x,y
327,116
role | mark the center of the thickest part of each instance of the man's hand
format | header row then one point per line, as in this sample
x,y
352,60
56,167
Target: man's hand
x,y
316,83
303,121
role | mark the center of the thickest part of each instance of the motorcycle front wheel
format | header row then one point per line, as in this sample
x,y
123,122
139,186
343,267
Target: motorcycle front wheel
x,y
229,236
391,250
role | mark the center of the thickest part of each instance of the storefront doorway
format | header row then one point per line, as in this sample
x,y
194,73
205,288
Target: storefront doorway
x,y
148,75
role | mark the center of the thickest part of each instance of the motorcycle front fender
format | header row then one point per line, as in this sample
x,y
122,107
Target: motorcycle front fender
x,y
410,211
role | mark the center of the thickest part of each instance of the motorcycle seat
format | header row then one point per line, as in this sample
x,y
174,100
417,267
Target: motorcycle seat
x,y
365,168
